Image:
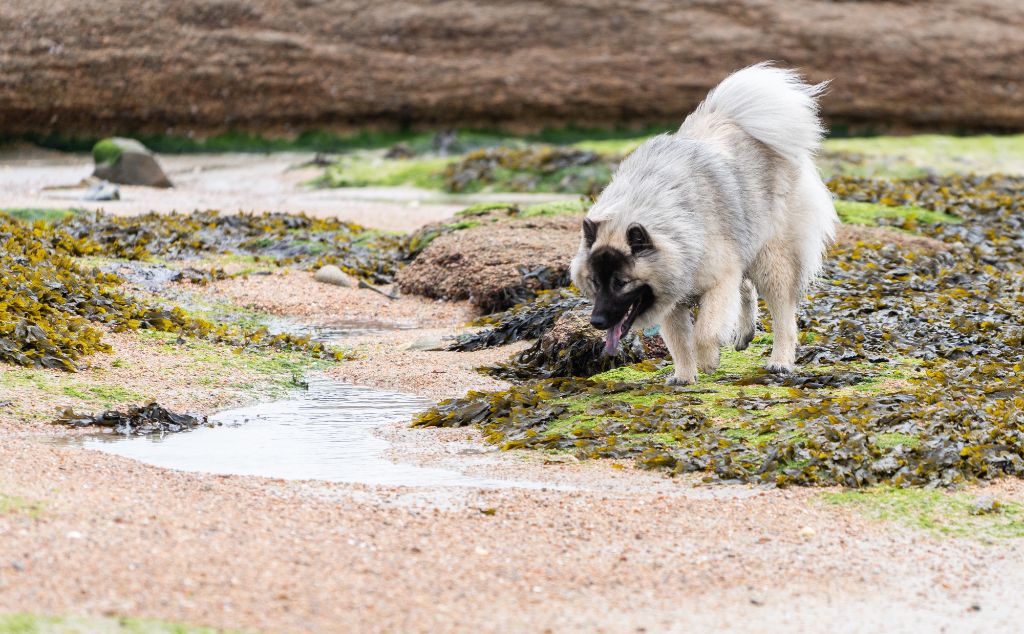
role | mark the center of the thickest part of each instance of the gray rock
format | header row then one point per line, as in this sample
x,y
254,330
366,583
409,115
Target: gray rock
x,y
330,274
428,344
128,162
103,191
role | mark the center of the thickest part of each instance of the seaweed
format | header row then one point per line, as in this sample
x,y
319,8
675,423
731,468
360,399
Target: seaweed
x,y
137,421
53,309
283,239
914,374
572,347
532,168
524,321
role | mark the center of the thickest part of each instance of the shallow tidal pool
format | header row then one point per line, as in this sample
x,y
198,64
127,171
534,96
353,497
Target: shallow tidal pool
x,y
323,433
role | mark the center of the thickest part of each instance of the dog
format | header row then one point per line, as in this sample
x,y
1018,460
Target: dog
x,y
727,209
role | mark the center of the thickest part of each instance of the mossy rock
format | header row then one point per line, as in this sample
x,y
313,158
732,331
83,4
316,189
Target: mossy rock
x,y
127,162
493,265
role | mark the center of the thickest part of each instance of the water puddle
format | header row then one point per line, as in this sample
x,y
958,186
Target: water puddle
x,y
335,332
324,433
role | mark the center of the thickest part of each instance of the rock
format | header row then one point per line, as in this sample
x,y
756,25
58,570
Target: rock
x,y
103,191
897,63
128,162
561,458
330,274
399,151
495,265
428,344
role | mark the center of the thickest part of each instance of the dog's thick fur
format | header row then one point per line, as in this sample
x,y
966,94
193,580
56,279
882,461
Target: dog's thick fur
x,y
728,208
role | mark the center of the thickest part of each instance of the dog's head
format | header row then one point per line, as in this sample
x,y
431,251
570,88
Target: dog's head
x,y
615,271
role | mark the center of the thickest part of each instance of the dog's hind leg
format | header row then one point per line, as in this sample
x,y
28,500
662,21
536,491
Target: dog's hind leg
x,y
677,331
748,315
777,278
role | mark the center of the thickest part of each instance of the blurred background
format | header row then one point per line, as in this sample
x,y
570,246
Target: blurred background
x,y
397,114
74,68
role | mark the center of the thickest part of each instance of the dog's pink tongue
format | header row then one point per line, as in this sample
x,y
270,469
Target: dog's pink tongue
x,y
611,338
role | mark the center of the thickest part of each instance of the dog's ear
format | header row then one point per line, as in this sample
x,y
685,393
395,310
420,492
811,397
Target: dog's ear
x,y
639,240
589,232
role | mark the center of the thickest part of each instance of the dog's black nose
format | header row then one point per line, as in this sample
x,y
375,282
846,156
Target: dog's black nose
x,y
598,321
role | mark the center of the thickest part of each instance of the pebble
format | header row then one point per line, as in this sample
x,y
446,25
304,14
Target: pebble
x,y
103,191
429,344
330,274
807,531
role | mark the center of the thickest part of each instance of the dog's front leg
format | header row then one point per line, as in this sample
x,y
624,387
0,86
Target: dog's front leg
x,y
716,321
677,331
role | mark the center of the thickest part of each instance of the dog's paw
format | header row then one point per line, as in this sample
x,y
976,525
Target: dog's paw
x,y
708,358
743,339
676,379
776,367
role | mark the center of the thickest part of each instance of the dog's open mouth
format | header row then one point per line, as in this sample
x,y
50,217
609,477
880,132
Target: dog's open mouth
x,y
615,333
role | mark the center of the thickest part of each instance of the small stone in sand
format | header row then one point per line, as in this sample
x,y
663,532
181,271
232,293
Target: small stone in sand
x,y
428,344
330,274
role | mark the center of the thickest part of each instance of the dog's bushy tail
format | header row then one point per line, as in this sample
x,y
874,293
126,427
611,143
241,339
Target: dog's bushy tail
x,y
773,105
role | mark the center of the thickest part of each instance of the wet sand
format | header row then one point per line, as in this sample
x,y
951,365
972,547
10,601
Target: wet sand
x,y
622,550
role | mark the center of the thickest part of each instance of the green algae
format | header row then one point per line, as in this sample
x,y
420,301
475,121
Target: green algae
x,y
943,513
530,169
481,209
45,214
502,163
282,239
54,310
557,208
15,505
355,171
862,213
105,152
922,155
911,373
40,624
102,395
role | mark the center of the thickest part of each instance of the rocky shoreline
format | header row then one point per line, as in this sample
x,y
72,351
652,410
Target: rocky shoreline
x,y
86,67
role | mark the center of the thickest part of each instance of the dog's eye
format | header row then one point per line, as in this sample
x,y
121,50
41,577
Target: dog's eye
x,y
618,284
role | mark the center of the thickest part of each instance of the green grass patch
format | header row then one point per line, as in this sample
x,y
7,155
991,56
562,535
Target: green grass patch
x,y
48,215
938,512
105,152
713,394
276,370
65,384
919,155
103,394
369,171
628,374
462,224
38,624
859,213
481,209
556,208
10,504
